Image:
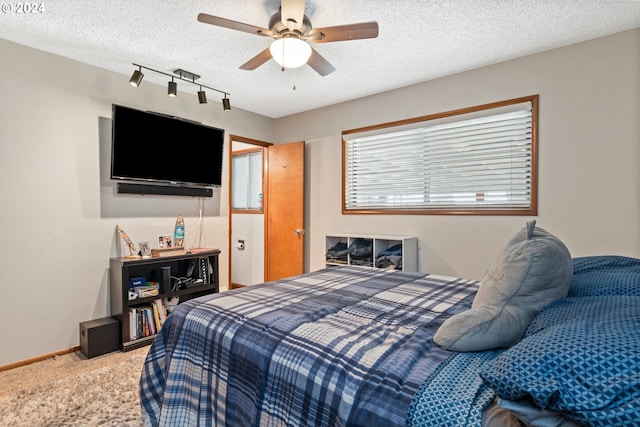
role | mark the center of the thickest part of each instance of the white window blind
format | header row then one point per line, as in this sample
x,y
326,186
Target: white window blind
x,y
479,163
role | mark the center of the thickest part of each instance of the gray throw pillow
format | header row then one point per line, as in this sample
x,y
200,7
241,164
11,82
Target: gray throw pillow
x,y
532,271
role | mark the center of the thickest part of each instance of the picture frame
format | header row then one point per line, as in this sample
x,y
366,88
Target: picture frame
x,y
165,241
145,249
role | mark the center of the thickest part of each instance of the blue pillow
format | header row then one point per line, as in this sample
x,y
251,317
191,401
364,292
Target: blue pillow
x,y
580,356
605,275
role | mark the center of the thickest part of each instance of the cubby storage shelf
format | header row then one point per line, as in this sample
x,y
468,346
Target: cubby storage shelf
x,y
373,251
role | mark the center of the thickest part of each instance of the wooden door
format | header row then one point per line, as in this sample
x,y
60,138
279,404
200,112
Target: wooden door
x,y
284,210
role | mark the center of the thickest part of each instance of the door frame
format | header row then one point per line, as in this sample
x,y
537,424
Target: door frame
x,y
265,196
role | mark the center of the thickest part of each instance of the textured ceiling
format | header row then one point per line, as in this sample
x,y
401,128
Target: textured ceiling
x,y
418,40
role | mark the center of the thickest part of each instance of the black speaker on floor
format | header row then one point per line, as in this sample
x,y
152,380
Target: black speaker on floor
x,y
99,336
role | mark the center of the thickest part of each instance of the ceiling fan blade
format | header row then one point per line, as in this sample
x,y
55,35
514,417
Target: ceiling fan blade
x,y
233,25
364,30
257,60
292,13
318,63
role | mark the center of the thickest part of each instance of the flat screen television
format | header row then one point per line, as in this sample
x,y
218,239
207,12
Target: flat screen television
x,y
152,147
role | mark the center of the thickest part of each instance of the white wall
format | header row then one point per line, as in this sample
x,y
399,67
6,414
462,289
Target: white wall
x,y
59,208
59,213
589,143
247,265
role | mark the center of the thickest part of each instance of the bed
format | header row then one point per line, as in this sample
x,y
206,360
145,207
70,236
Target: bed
x,y
353,346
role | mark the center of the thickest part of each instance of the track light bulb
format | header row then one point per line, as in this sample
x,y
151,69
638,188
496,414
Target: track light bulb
x,y
202,96
173,89
136,78
226,103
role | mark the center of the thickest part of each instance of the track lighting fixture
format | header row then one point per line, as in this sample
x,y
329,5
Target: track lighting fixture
x,y
172,89
136,77
202,96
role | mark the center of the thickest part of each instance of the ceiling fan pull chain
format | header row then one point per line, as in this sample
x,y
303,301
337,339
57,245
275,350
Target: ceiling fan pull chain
x,y
295,73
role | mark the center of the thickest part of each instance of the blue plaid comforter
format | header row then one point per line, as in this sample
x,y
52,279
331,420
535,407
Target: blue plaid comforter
x,y
335,347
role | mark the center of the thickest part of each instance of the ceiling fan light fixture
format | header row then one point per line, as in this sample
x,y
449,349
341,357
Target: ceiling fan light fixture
x,y
290,52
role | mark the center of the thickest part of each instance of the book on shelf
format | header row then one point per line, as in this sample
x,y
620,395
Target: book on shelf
x,y
156,316
161,311
140,331
132,324
148,317
147,320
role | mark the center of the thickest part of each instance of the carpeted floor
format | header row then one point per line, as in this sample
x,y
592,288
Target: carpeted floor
x,y
71,390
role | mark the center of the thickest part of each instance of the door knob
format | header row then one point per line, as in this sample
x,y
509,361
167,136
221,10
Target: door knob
x,y
298,231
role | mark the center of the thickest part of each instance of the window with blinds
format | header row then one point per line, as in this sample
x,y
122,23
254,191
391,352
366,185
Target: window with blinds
x,y
246,171
480,160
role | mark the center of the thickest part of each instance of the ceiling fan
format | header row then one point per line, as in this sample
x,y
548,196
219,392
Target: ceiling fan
x,y
291,30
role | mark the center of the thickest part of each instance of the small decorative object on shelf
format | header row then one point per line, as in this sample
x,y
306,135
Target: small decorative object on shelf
x,y
178,232
127,240
170,303
165,241
145,249
166,252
